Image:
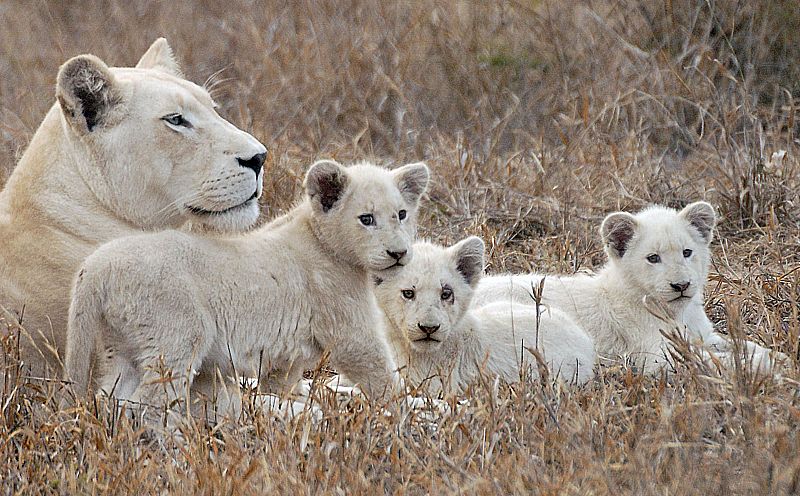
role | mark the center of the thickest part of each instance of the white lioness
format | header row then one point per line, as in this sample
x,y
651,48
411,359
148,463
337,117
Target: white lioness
x,y
123,150
265,304
659,253
442,341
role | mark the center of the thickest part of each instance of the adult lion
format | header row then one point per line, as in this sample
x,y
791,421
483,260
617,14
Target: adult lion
x,y
123,150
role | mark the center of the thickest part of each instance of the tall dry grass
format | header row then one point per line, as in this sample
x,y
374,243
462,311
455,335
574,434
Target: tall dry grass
x,y
537,118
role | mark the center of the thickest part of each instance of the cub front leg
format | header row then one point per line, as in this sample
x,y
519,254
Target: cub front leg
x,y
758,357
164,388
215,396
172,356
755,356
363,356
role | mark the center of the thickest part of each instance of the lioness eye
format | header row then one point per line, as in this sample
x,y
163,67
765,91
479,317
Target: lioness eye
x,y
408,294
176,120
654,258
687,253
401,214
447,293
366,219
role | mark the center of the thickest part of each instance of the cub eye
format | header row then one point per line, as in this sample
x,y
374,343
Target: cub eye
x,y
687,253
401,214
176,120
654,258
366,219
447,293
408,294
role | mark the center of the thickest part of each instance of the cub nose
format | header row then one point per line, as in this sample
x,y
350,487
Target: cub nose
x,y
680,286
397,255
254,163
428,329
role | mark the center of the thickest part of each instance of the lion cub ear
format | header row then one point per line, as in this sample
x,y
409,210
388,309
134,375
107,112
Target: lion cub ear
x,y
617,230
468,257
160,57
412,180
87,92
326,182
702,217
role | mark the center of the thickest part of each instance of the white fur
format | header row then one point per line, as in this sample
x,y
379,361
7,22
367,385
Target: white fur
x,y
104,164
267,304
609,305
442,341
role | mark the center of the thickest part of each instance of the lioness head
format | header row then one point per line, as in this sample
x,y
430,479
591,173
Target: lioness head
x,y
151,146
662,252
428,297
366,215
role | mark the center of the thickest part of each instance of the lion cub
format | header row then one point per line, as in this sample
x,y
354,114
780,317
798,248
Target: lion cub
x,y
266,304
442,341
660,253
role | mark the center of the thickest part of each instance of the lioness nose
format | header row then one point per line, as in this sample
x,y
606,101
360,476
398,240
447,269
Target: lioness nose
x,y
680,286
397,255
254,163
428,329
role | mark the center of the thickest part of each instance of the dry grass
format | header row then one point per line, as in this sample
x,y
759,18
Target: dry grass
x,y
537,118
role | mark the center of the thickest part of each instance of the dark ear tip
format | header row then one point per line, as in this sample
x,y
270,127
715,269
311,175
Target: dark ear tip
x,y
470,257
477,243
77,65
702,216
413,179
322,166
617,230
616,219
326,181
702,207
423,169
85,90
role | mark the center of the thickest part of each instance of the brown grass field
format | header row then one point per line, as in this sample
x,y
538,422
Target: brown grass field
x,y
537,118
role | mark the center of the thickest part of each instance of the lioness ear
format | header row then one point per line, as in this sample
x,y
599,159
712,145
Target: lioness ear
x,y
412,180
468,256
702,217
86,91
160,57
617,231
326,182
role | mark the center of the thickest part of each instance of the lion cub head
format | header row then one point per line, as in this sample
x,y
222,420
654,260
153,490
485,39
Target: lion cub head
x,y
364,214
151,146
427,299
661,252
